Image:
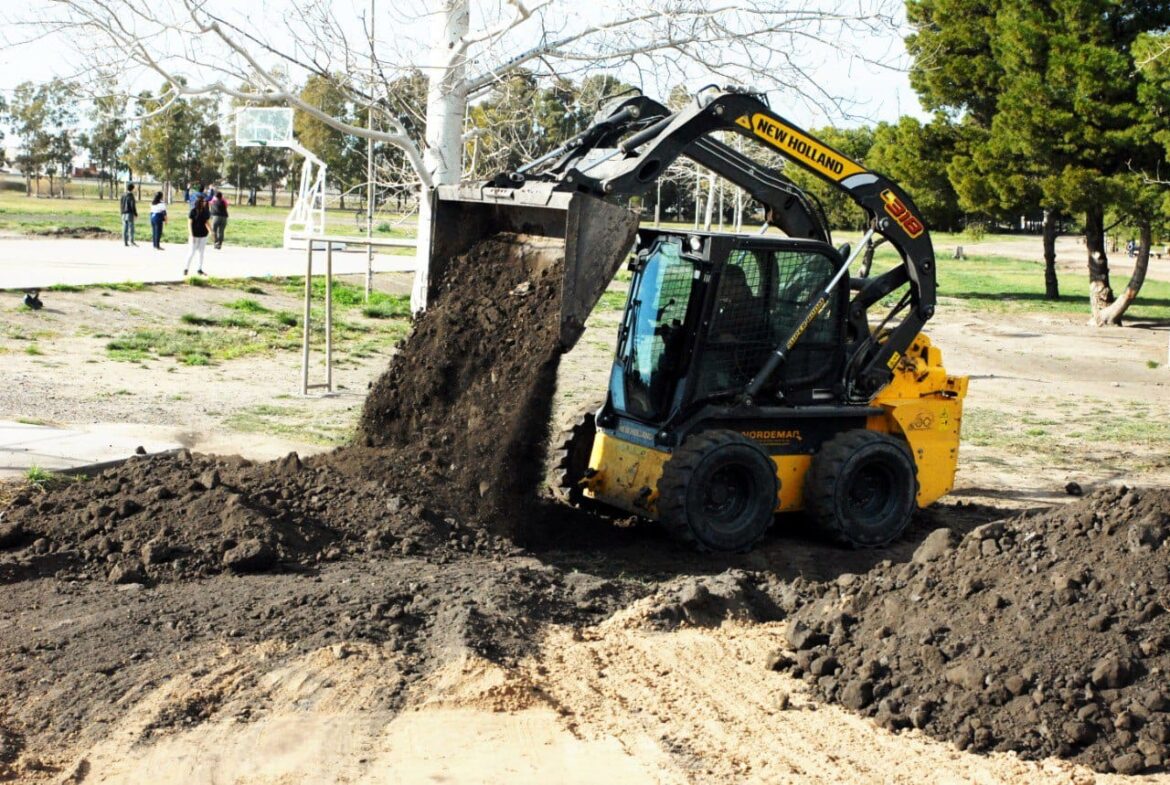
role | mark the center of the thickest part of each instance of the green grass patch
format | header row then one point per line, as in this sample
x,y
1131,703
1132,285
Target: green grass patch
x,y
188,346
290,422
258,226
33,349
612,301
247,306
387,306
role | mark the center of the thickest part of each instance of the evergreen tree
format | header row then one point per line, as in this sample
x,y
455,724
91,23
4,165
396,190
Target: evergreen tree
x,y
1051,87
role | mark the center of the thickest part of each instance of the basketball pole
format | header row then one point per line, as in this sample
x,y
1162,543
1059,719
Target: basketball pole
x,y
370,167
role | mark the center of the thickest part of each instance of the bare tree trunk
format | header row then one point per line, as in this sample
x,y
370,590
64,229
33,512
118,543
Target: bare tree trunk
x,y
710,208
446,107
1100,291
1112,314
1051,285
272,194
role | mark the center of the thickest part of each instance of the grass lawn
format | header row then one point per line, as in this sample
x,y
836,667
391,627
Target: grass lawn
x,y
1004,285
246,326
259,227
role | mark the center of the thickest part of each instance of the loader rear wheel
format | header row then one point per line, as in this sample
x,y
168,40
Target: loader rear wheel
x,y
862,487
718,491
571,459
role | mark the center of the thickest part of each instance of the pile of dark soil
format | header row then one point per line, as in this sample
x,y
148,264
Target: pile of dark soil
x,y
453,431
1047,634
461,416
76,233
186,516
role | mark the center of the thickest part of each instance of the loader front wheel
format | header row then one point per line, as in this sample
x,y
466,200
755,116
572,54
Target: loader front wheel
x,y
862,488
718,491
571,460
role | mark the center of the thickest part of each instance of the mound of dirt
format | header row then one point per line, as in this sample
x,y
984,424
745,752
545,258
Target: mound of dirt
x,y
76,233
182,517
1047,634
462,414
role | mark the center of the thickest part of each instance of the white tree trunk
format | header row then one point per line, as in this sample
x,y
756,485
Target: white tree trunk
x,y
446,107
710,201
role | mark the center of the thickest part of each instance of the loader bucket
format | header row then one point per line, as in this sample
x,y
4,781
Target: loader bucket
x,y
594,237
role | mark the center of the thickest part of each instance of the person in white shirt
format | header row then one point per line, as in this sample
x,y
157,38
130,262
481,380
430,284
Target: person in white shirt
x,y
158,216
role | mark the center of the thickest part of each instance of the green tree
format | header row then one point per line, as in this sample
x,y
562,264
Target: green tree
x,y
163,140
1052,84
841,211
345,162
3,114
106,140
916,156
179,140
42,116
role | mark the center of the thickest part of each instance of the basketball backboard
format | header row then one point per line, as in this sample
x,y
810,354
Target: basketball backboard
x,y
259,126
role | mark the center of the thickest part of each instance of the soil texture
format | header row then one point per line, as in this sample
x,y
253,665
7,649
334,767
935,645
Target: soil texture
x,y
1046,634
462,414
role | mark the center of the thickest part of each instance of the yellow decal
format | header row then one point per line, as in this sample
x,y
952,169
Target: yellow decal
x,y
775,436
801,148
901,213
745,121
893,360
944,419
814,313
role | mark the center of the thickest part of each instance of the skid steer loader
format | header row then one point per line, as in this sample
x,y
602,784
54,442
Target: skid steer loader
x,y
750,376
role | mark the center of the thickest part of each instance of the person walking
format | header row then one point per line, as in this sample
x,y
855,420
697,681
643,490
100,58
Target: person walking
x,y
195,192
129,209
199,220
158,216
219,218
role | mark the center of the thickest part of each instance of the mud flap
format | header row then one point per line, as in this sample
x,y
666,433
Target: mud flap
x,y
594,236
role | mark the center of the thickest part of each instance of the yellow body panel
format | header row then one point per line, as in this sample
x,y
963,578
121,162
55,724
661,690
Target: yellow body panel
x,y
921,404
626,474
925,407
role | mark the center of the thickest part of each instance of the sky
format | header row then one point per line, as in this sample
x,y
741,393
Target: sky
x,y
872,93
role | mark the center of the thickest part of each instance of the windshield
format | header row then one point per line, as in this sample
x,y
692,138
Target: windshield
x,y
651,356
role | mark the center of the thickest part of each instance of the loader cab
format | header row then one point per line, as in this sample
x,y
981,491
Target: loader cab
x,y
706,309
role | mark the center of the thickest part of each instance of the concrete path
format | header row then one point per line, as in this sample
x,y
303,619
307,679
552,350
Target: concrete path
x,y
23,446
28,263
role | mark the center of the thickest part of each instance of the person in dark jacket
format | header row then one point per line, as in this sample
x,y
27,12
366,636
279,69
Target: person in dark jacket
x,y
199,220
129,214
219,218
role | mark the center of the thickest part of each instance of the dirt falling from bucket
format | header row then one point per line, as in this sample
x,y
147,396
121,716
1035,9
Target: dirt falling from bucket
x,y
461,415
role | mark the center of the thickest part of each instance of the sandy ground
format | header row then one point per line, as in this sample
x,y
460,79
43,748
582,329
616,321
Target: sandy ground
x,y
58,371
1051,401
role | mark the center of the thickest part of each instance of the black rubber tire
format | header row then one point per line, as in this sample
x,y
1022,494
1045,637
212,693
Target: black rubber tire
x,y
718,491
571,460
862,488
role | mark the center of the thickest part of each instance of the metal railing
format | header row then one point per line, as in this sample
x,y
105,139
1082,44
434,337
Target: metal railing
x,y
313,242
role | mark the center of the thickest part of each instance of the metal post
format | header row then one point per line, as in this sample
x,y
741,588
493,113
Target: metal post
x,y
308,303
370,168
329,315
